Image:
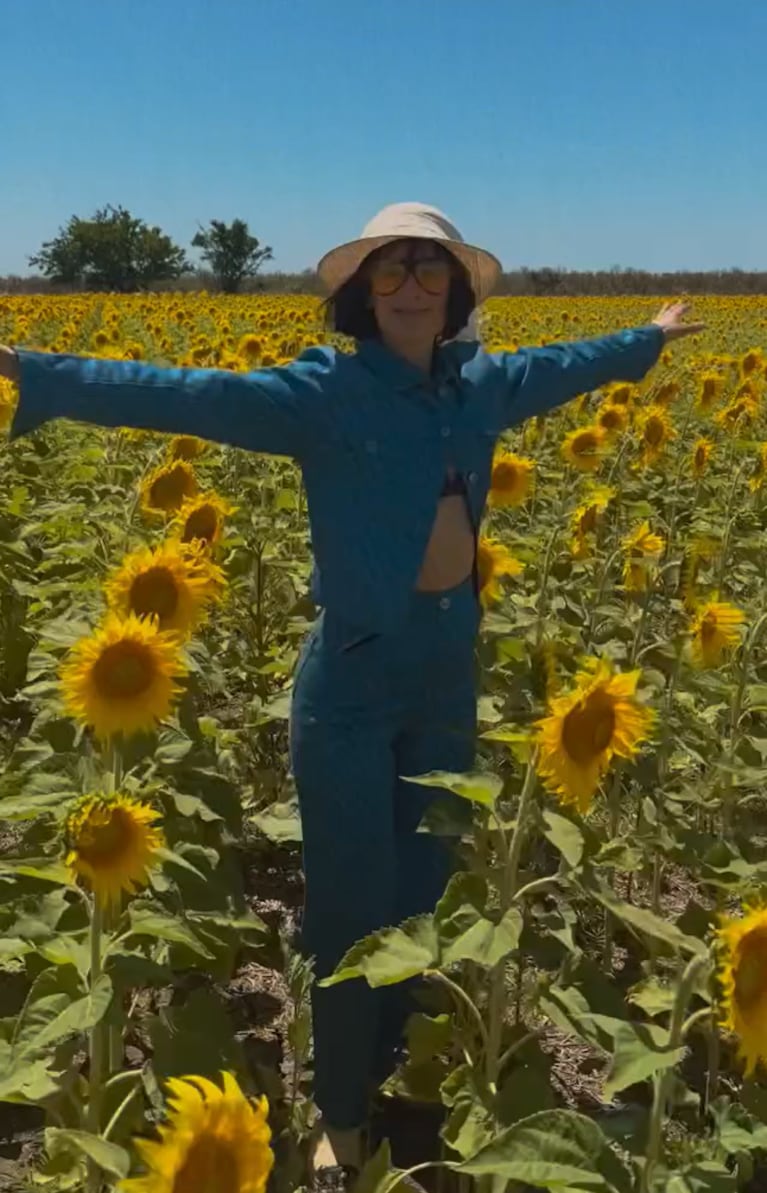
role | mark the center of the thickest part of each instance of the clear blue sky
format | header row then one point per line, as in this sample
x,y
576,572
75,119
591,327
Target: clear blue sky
x,y
581,133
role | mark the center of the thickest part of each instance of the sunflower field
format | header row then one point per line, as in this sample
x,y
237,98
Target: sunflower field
x,y
594,979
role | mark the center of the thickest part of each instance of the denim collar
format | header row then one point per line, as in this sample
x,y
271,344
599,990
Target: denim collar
x,y
402,375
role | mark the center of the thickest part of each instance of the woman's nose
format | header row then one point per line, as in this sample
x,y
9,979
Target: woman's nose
x,y
410,287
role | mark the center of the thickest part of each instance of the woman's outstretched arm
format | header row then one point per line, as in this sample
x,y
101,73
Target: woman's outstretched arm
x,y
539,379
277,410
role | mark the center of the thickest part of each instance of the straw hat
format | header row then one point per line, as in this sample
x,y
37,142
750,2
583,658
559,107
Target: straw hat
x,y
401,220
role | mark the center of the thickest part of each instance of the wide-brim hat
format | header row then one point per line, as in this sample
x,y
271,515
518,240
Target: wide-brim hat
x,y
405,220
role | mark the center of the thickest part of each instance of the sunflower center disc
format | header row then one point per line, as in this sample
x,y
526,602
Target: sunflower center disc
x,y
154,591
210,1167
751,971
654,433
200,525
589,520
168,491
104,843
708,627
588,729
124,670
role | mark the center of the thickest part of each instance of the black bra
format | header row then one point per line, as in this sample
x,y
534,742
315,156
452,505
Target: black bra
x,y
453,486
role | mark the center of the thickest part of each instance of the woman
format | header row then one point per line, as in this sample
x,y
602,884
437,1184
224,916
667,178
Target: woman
x,y
396,444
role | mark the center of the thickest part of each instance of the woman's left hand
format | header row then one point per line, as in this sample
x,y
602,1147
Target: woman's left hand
x,y
670,319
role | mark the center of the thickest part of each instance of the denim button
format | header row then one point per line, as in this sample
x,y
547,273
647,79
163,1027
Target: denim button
x,y
445,432
444,602
472,478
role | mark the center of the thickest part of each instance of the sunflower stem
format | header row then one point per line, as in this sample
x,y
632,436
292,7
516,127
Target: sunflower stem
x,y
509,882
113,771
728,528
641,624
678,478
735,716
615,813
662,1082
548,557
606,570
660,802
463,999
96,1076
617,458
712,1071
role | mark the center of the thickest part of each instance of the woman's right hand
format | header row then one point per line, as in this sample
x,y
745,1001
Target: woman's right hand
x,y
9,363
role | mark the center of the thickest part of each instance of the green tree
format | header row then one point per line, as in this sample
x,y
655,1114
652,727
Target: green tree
x,y
111,251
231,252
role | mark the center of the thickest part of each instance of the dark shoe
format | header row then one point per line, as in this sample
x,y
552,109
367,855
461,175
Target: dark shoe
x,y
337,1178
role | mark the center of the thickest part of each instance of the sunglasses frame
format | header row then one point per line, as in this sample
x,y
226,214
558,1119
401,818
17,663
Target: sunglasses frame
x,y
410,266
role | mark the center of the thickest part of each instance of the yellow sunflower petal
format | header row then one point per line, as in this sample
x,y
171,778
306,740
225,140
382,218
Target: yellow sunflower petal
x,y
123,677
165,489
586,728
112,844
511,479
215,1141
742,945
172,582
715,631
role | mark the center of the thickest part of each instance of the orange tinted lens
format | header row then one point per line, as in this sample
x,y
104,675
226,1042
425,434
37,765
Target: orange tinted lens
x,y
388,276
433,276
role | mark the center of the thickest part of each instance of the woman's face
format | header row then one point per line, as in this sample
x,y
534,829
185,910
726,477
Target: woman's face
x,y
413,310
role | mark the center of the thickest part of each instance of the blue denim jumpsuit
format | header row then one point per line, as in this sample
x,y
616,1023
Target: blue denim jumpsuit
x,y
384,687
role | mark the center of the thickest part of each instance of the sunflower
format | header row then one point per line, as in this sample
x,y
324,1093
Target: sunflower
x,y
186,447
214,1141
165,489
656,431
493,561
583,448
715,631
586,728
701,454
174,582
135,434
250,346
756,480
613,419
711,386
112,844
511,479
122,678
751,361
621,394
666,393
742,945
8,398
642,549
202,518
739,413
586,518
701,550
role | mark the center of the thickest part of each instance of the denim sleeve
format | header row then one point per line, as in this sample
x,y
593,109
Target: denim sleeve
x,y
278,410
539,379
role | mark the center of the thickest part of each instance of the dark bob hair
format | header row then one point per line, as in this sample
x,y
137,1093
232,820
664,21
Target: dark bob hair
x,y
347,310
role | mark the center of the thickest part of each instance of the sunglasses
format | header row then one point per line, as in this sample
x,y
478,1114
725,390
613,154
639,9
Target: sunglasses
x,y
433,275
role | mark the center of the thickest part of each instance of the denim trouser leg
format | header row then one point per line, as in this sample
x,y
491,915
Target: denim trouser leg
x,y
364,713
